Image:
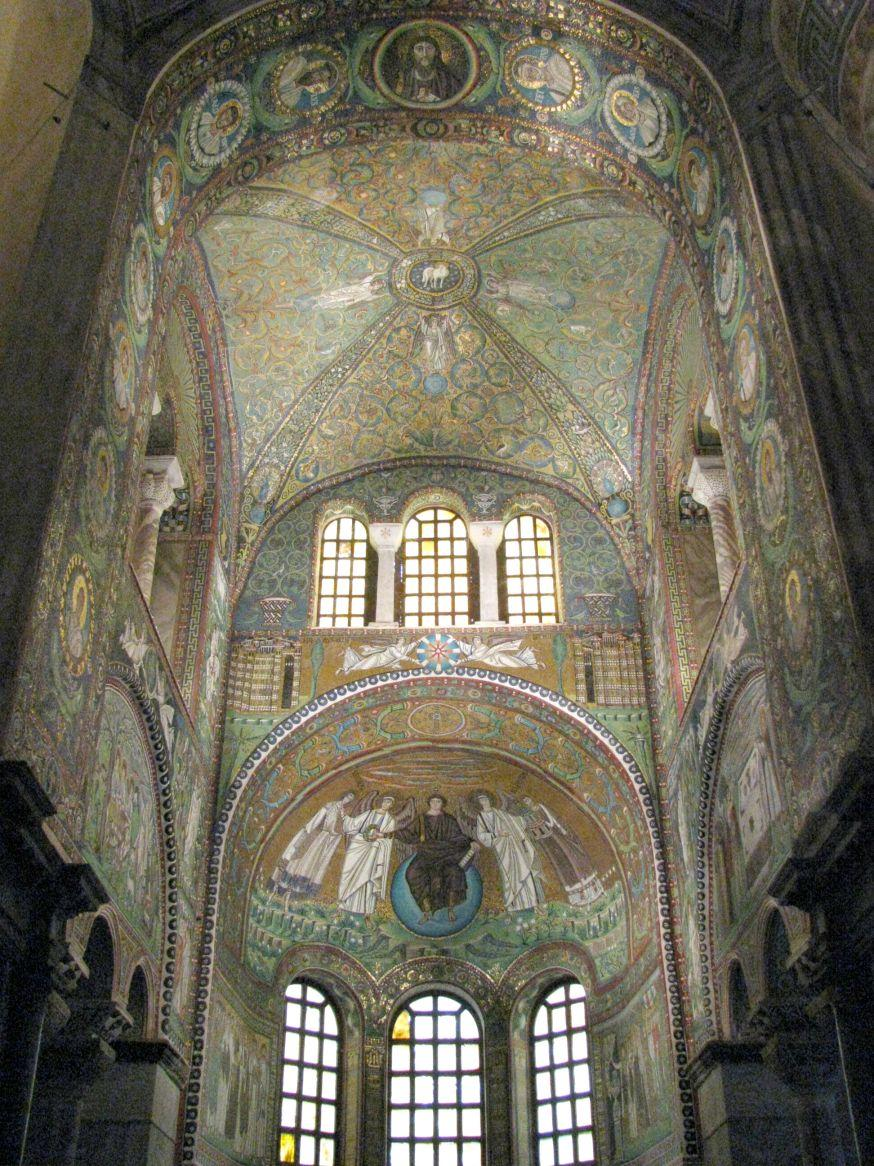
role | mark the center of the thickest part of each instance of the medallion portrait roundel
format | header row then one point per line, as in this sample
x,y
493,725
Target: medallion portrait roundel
x,y
636,114
697,180
141,277
309,79
771,477
543,76
123,367
219,122
164,191
800,616
76,618
725,267
747,365
98,498
425,64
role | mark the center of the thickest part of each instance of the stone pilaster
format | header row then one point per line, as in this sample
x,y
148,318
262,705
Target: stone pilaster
x,y
486,538
744,1110
386,538
131,1113
830,877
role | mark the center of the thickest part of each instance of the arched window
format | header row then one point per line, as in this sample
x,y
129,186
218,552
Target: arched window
x,y
563,1128
346,575
435,1094
310,1078
528,587
435,570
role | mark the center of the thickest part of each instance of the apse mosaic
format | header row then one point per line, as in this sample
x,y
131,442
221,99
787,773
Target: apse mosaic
x,y
414,854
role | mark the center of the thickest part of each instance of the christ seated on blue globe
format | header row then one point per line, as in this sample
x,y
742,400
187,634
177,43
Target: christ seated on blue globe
x,y
436,875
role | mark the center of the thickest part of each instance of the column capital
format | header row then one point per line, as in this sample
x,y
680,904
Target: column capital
x,y
386,536
161,476
486,534
708,480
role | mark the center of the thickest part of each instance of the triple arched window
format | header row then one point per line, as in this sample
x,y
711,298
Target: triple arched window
x,y
436,576
436,1113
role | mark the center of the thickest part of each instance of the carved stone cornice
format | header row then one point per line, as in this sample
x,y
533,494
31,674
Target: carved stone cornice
x,y
716,1053
152,1052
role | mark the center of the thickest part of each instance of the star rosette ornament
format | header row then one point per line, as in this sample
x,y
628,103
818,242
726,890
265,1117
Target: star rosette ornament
x,y
438,653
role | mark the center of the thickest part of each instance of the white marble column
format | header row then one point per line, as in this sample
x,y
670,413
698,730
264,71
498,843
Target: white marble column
x,y
709,485
385,538
486,538
160,478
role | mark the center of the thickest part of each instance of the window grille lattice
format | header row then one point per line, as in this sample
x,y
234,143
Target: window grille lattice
x,y
530,576
435,1110
343,575
435,572
309,1109
562,1081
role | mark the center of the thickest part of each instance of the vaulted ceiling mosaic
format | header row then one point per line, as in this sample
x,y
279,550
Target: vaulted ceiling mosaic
x,y
444,298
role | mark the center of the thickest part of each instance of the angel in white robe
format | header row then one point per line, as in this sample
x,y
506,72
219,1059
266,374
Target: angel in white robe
x,y
376,656
342,297
301,869
434,342
504,654
364,878
505,835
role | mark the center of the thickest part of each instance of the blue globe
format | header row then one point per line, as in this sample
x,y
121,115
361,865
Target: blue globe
x,y
409,912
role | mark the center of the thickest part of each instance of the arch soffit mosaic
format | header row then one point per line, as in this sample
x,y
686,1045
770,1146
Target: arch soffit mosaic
x,y
611,163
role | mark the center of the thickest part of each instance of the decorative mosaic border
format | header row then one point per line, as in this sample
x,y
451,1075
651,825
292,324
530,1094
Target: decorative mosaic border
x,y
131,685
737,675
